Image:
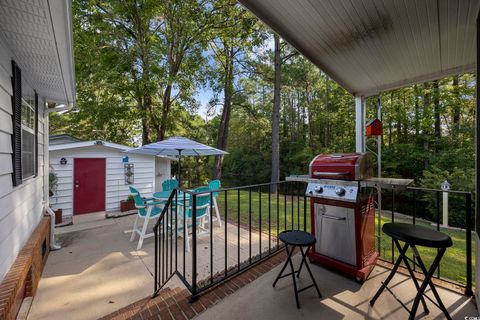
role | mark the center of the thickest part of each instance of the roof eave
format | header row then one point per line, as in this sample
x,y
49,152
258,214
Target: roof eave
x,y
61,21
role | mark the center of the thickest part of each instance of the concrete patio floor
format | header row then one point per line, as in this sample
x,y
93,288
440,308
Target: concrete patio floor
x,y
343,298
98,270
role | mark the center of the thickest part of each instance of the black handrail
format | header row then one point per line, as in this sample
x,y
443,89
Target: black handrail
x,y
268,221
162,272
468,285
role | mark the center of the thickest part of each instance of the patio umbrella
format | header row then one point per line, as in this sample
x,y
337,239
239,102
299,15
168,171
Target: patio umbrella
x,y
177,147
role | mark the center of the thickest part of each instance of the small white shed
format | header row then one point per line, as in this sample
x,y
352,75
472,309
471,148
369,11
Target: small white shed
x,y
95,175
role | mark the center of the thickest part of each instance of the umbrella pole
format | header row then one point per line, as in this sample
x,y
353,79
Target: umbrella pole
x,y
179,168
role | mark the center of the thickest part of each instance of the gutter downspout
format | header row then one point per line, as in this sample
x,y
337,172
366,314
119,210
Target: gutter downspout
x,y
46,198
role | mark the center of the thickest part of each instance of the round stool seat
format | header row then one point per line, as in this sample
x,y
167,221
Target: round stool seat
x,y
297,238
417,235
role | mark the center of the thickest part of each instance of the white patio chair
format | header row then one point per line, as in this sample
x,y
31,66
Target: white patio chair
x,y
146,211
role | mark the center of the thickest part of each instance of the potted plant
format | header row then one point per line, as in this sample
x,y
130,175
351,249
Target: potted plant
x,y
53,183
127,205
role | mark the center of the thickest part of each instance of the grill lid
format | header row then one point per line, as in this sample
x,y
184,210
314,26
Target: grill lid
x,y
341,166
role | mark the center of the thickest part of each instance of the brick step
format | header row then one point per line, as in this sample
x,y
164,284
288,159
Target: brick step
x,y
148,308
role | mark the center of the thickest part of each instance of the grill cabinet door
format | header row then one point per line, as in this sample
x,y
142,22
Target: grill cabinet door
x,y
335,233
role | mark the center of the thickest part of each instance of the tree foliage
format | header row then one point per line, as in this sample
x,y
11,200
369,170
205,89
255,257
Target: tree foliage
x,y
141,63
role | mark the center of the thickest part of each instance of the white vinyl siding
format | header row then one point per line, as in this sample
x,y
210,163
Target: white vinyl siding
x,y
22,206
116,189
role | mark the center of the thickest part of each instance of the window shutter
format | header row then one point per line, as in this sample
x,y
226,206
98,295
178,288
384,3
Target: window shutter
x,y
35,168
17,124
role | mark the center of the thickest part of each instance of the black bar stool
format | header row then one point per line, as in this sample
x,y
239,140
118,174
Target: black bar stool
x,y
413,235
300,239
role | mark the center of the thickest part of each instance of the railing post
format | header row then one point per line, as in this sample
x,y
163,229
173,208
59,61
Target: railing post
x,y
304,212
393,220
155,236
194,245
468,205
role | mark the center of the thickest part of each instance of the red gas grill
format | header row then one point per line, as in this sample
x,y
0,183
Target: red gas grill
x,y
342,213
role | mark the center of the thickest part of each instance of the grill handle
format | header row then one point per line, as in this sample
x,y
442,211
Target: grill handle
x,y
333,217
320,173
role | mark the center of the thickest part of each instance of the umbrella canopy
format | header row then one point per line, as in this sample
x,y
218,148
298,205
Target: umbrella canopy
x,y
177,147
172,146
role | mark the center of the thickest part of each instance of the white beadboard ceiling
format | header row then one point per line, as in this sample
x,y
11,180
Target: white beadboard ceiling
x,y
369,46
39,36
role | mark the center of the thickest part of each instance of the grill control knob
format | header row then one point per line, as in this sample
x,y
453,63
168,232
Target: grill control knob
x,y
318,189
340,191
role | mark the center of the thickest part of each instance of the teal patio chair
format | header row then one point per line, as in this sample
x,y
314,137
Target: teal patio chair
x,y
202,217
169,185
216,185
134,191
146,210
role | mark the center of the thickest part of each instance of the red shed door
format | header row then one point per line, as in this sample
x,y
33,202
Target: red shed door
x,y
88,185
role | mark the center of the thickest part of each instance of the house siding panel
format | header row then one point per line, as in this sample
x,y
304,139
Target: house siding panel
x,y
22,206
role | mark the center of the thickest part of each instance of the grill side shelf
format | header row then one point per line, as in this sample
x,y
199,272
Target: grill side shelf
x,y
386,183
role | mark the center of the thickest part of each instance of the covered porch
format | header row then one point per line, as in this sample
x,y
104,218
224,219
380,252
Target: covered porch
x,y
368,48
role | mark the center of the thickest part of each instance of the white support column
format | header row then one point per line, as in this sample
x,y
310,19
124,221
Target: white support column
x,y
359,124
364,124
379,188
379,138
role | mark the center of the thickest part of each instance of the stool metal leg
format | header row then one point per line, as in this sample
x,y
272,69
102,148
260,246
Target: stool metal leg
x,y
428,281
289,256
289,261
389,278
293,278
304,261
410,271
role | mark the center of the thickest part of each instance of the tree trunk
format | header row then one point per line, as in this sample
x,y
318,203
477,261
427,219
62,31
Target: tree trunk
x,y
390,125
227,105
417,113
426,130
456,107
405,123
276,116
166,104
436,108
144,115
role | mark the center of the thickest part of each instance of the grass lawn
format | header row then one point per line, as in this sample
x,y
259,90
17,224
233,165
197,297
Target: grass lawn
x,y
288,213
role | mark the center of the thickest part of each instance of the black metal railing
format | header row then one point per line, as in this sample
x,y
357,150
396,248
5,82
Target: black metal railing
x,y
165,234
227,231
423,206
209,236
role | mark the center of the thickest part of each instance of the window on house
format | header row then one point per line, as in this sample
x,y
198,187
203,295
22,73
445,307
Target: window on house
x,y
25,128
28,139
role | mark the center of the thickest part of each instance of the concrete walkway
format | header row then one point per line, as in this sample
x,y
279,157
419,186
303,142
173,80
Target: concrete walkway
x,y
98,270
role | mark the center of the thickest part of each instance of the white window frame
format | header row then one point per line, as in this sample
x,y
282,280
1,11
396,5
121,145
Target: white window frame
x,y
31,131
